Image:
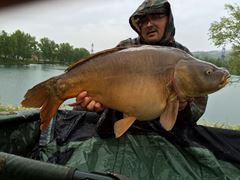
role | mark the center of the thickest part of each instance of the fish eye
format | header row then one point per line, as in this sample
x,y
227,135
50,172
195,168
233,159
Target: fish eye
x,y
208,71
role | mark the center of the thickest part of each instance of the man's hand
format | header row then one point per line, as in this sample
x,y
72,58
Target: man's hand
x,y
87,103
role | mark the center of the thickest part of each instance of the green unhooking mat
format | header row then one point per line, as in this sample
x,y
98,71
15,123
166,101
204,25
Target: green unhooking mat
x,y
145,152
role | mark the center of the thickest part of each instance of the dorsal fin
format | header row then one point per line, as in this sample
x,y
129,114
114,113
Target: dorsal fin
x,y
104,52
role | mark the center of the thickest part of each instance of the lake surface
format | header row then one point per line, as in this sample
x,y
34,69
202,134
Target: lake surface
x,y
223,106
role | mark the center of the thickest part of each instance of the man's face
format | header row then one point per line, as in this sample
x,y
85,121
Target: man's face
x,y
152,27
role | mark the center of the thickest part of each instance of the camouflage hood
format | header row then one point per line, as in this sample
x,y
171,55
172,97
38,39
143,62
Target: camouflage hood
x,y
151,7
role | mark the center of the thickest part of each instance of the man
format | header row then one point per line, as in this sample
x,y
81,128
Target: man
x,y
153,21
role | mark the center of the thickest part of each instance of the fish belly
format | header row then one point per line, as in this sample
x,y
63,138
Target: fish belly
x,y
139,96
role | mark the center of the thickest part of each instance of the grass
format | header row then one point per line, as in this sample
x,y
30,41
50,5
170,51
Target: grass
x,y
220,125
15,108
10,108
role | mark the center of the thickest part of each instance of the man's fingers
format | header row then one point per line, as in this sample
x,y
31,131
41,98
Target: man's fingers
x,y
85,102
98,107
81,96
91,105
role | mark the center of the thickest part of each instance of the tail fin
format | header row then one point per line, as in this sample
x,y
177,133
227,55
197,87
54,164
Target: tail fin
x,y
42,95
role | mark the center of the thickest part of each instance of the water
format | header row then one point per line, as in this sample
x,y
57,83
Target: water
x,y
15,80
224,105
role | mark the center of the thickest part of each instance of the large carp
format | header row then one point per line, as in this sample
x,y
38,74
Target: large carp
x,y
143,82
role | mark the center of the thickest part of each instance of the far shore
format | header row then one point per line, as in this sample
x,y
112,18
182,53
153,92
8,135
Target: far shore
x,y
26,62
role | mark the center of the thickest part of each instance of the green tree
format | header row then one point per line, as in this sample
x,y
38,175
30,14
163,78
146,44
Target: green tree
x,y
6,46
48,49
79,53
65,52
227,31
24,45
234,62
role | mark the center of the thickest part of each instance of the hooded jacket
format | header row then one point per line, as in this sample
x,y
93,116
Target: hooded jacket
x,y
155,7
152,7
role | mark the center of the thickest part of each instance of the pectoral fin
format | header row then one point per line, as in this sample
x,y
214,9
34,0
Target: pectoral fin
x,y
169,115
122,125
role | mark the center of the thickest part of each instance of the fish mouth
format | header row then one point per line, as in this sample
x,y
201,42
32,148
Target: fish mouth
x,y
225,80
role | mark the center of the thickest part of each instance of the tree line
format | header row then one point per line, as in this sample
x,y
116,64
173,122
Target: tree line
x,y
20,47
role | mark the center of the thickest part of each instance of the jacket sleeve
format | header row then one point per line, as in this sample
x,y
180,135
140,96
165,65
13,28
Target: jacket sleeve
x,y
197,107
193,111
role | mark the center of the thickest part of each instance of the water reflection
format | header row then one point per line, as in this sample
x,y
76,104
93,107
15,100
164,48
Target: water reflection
x,y
234,80
223,105
15,80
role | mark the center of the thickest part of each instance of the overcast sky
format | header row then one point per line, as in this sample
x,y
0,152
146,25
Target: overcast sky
x,y
105,22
